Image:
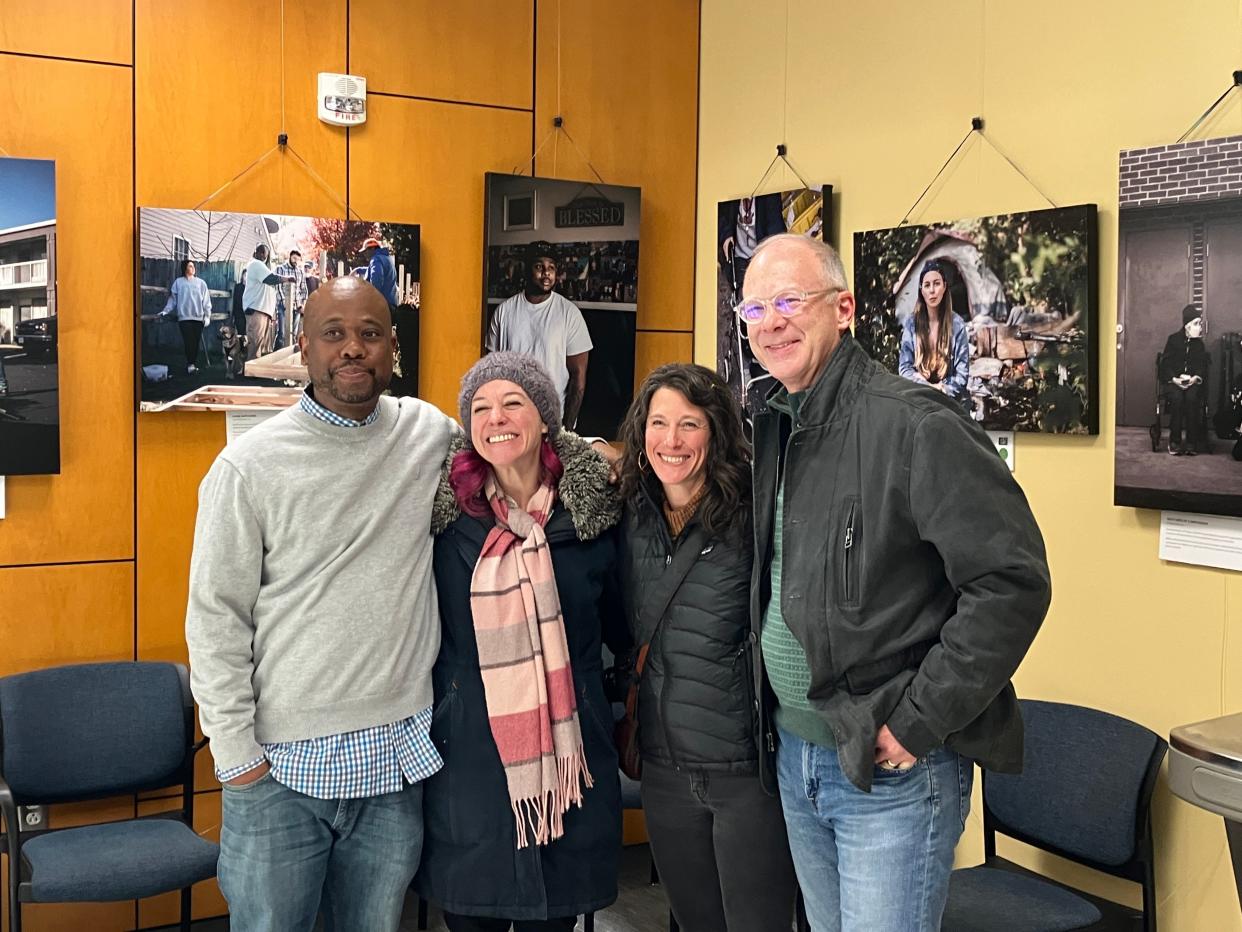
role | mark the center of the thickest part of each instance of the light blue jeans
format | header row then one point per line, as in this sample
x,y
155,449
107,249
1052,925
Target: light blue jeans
x,y
284,856
877,861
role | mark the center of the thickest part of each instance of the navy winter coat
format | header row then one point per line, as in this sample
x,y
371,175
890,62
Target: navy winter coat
x,y
471,864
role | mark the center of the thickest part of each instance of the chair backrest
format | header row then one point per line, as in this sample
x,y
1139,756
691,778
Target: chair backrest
x,y
89,730
1085,788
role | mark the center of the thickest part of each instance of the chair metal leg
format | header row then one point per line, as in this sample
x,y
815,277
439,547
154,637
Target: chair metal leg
x,y
422,913
588,922
672,923
801,923
185,909
15,906
655,874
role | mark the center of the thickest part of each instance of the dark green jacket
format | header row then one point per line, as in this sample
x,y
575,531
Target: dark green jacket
x,y
914,574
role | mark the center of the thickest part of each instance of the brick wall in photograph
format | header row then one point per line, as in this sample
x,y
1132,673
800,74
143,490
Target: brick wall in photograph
x,y
1208,169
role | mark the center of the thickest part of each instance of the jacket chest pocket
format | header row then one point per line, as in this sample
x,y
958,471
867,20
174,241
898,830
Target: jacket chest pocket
x,y
846,553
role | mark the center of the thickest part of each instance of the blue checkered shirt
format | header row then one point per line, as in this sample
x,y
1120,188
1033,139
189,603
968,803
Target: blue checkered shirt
x,y
357,764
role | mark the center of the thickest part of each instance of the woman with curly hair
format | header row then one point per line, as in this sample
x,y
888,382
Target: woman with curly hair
x,y
715,825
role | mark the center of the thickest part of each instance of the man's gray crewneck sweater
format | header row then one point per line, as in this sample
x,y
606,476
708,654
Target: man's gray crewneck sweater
x,y
312,604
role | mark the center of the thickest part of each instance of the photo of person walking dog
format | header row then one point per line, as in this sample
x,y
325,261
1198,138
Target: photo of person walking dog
x,y
220,299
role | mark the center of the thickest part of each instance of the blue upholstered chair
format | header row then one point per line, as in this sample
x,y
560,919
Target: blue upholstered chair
x,y
89,731
1085,795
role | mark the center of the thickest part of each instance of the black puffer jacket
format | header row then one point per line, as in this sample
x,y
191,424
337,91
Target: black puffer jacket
x,y
696,707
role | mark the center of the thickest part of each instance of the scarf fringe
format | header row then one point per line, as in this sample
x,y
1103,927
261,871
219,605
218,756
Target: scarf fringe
x,y
543,815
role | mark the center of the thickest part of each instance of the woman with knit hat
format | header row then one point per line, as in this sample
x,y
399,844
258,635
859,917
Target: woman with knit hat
x,y
523,823
709,792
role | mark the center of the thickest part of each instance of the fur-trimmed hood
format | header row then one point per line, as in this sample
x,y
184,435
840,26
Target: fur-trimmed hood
x,y
594,504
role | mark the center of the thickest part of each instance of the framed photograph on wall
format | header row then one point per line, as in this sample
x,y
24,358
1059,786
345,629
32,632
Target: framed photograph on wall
x,y
1179,328
29,322
999,313
220,297
520,211
741,225
565,289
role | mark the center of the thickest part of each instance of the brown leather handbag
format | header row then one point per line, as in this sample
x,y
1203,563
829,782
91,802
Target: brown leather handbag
x,y
660,597
625,730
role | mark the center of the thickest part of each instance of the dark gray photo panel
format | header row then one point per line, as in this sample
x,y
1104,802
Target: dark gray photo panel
x,y
741,225
560,282
1179,328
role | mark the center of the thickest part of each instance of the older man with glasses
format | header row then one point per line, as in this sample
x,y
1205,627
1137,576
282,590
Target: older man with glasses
x,y
899,579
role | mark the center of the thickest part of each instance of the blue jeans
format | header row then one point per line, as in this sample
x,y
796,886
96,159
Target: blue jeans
x,y
285,856
878,861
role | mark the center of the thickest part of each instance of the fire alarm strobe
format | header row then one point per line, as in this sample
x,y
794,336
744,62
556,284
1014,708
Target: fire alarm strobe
x,y
342,99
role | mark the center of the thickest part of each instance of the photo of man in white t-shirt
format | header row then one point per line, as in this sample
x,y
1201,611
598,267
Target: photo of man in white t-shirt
x,y
547,325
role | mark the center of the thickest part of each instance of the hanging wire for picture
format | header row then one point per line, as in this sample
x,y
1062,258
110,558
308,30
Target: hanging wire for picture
x,y
282,145
976,126
1237,81
781,150
558,124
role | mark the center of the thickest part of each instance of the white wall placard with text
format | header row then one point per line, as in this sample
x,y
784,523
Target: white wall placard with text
x,y
1205,540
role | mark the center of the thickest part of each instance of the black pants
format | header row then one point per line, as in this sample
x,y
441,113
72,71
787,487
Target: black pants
x,y
719,844
457,923
191,333
1186,413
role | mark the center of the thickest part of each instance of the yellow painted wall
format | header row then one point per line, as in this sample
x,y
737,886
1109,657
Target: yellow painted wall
x,y
147,102
878,96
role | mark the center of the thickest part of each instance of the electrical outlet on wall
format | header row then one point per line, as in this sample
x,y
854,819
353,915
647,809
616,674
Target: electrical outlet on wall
x,y
32,818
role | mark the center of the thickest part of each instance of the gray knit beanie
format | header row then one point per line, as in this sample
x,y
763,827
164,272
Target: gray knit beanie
x,y
520,369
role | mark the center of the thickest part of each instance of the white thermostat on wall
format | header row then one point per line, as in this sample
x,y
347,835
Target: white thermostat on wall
x,y
342,99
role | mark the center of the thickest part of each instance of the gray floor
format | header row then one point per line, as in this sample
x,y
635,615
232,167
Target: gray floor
x,y
1138,467
640,907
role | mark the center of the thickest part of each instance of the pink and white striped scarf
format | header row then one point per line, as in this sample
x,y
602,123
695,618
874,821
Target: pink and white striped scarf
x,y
524,658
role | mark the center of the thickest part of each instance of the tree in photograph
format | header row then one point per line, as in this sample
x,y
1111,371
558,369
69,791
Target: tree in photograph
x,y
341,240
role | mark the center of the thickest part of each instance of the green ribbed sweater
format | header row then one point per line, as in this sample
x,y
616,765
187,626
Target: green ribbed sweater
x,y
783,657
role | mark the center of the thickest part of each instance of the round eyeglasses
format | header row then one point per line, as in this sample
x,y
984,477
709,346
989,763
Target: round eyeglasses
x,y
787,304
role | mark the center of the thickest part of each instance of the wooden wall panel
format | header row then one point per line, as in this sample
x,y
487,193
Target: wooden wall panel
x,y
209,103
175,451
79,115
65,614
439,153
478,52
653,349
69,917
629,94
206,75
188,145
98,31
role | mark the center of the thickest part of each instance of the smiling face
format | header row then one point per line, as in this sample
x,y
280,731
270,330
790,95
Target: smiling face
x,y
932,288
347,346
505,426
795,349
676,443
